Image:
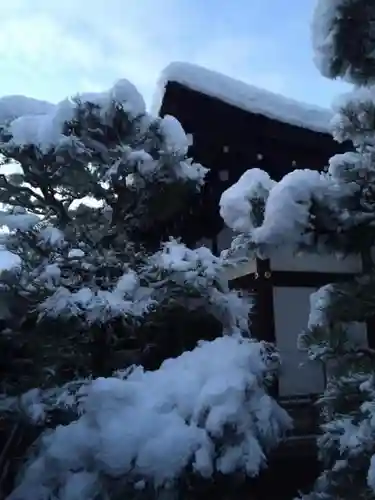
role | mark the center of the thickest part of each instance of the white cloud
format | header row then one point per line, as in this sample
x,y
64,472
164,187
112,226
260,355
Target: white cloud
x,y
39,39
50,49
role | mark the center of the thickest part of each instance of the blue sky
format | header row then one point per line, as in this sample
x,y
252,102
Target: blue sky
x,y
50,49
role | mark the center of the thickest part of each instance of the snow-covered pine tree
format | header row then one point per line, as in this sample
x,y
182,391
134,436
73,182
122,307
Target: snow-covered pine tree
x,y
89,191
332,211
92,193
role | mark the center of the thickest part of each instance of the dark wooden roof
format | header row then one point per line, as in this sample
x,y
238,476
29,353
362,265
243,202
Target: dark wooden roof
x,y
215,124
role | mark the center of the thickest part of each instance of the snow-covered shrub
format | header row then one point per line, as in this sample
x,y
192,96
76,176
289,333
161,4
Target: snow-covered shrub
x,y
90,189
203,412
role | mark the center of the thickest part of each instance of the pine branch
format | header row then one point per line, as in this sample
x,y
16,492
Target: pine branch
x,y
54,203
48,200
16,190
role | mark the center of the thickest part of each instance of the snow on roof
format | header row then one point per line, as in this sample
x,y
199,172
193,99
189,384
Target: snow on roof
x,y
244,96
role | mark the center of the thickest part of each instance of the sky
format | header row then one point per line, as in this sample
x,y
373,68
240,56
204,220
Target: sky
x,y
50,49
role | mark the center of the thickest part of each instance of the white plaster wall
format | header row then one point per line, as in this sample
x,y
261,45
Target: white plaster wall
x,y
283,260
298,375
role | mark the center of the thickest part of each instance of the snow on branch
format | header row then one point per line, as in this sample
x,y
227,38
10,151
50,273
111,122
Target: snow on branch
x,y
205,276
148,428
14,106
95,305
334,23
238,203
354,117
45,130
275,214
287,216
18,219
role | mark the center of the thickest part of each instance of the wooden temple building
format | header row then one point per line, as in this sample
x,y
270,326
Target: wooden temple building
x,y
234,127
